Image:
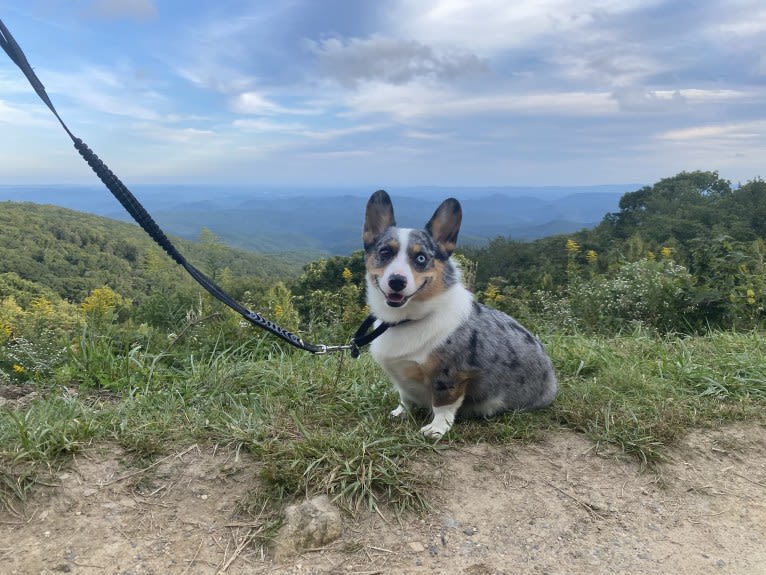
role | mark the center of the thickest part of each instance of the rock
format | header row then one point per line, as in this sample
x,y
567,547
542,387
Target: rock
x,y
308,525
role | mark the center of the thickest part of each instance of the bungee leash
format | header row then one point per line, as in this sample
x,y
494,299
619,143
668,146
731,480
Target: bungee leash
x,y
147,223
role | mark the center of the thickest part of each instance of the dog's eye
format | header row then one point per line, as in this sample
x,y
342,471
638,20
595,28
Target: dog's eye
x,y
421,259
385,253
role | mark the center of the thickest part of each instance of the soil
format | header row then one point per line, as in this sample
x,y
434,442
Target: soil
x,y
557,506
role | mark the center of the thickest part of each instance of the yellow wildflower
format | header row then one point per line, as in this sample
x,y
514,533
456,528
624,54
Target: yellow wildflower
x,y
101,302
492,294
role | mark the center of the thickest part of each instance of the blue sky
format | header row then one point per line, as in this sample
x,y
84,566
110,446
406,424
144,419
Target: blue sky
x,y
387,93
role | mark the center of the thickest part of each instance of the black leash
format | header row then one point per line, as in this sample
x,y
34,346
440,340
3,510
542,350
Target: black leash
x,y
144,219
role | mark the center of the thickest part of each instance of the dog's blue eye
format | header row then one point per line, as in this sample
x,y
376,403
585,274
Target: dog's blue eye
x,y
421,259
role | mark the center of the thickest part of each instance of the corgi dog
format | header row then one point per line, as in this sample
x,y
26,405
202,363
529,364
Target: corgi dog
x,y
443,350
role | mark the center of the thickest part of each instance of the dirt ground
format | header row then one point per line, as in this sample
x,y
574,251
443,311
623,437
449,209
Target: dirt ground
x,y
553,507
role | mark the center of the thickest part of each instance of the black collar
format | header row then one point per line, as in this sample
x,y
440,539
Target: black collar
x,y
362,338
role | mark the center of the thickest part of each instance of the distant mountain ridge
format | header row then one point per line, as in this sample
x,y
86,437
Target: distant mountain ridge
x,y
277,220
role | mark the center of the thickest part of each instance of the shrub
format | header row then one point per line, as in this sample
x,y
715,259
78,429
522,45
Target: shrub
x,y
654,294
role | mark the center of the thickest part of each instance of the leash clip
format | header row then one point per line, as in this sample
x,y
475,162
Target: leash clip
x,y
325,349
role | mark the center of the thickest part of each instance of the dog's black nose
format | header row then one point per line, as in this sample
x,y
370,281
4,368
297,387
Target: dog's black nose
x,y
397,282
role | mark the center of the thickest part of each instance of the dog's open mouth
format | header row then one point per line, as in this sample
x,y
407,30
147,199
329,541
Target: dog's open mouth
x,y
398,299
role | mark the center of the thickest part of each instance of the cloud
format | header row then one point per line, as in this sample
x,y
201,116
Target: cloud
x,y
334,155
304,131
174,135
640,100
140,10
424,135
262,125
107,90
16,115
746,19
217,77
256,104
745,130
391,60
426,100
488,27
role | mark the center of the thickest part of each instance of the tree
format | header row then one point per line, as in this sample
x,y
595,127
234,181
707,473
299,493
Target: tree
x,y
682,207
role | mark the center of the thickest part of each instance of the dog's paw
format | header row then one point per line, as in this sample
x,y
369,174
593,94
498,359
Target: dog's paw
x,y
400,411
435,430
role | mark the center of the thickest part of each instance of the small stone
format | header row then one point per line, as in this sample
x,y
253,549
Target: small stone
x,y
308,525
417,546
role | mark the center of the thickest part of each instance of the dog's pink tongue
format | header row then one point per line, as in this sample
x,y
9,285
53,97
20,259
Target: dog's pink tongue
x,y
395,299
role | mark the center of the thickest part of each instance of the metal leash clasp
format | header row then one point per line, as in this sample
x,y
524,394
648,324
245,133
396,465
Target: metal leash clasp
x,y
325,349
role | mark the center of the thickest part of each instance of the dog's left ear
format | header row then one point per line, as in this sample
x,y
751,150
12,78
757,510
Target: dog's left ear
x,y
444,225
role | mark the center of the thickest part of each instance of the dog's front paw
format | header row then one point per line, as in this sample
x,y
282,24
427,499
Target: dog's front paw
x,y
400,411
435,430
444,417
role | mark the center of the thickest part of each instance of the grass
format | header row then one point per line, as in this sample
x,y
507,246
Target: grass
x,y
320,423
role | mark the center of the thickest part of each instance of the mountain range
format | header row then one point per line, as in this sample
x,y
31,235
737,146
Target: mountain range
x,y
329,220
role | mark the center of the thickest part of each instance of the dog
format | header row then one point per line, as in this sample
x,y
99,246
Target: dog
x,y
443,350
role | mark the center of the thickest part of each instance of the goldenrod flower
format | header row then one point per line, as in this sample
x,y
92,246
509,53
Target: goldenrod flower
x,y
492,294
591,256
347,275
573,247
18,368
101,302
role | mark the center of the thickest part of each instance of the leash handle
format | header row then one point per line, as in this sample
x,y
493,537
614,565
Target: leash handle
x,y
144,219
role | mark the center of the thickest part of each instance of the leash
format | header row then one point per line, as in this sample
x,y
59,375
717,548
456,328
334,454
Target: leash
x,y
147,223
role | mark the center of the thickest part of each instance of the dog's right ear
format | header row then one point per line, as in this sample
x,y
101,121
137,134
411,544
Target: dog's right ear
x,y
378,218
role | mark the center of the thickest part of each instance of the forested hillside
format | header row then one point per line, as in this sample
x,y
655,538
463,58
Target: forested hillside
x,y
684,254
46,249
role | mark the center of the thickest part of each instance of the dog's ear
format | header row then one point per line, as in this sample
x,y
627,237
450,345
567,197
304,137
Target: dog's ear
x,y
378,218
444,225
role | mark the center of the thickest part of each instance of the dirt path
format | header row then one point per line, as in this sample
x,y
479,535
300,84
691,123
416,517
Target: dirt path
x,y
553,507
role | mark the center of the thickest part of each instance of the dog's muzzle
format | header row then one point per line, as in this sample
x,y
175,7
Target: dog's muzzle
x,y
397,284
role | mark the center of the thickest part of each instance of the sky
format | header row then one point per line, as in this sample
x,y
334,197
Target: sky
x,y
387,93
